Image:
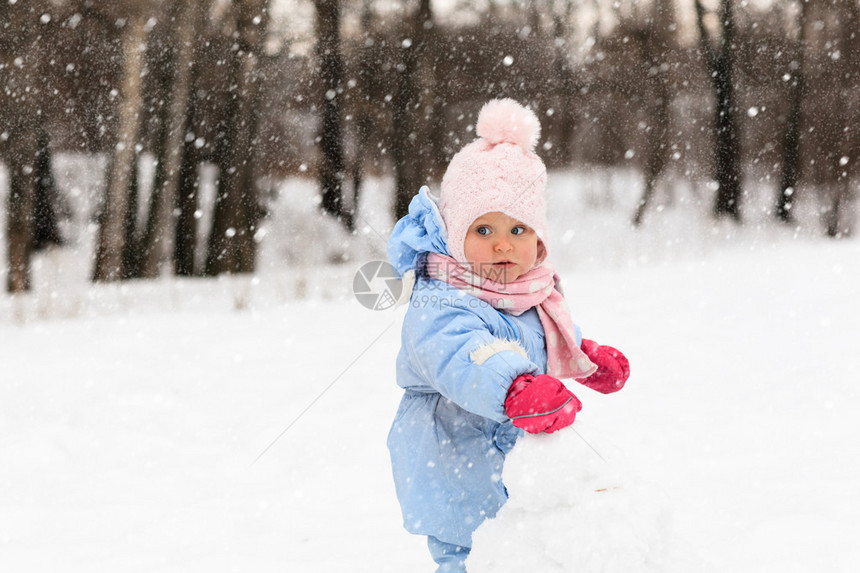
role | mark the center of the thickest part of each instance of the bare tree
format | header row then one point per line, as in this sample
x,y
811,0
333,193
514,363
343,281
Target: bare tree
x,y
187,203
111,239
406,151
837,224
22,148
791,138
656,40
22,119
362,109
188,179
131,246
566,82
47,207
232,246
183,15
720,63
332,170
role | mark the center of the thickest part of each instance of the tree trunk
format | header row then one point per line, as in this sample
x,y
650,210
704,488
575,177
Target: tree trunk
x,y
19,230
46,230
362,110
108,266
330,60
837,221
727,170
221,255
656,41
131,246
657,145
406,151
163,198
231,247
252,211
19,142
565,86
362,136
834,227
188,184
791,137
187,204
438,160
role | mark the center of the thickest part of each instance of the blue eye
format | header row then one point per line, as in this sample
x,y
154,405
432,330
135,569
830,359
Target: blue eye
x,y
483,230
518,230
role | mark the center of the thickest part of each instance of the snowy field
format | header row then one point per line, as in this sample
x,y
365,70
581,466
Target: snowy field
x,y
131,416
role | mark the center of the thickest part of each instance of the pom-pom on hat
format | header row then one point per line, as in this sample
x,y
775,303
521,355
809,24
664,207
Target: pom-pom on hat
x,y
499,171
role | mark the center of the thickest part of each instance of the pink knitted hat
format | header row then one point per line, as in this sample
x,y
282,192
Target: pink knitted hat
x,y
499,171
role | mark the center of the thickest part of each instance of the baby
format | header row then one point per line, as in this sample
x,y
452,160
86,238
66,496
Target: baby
x,y
487,335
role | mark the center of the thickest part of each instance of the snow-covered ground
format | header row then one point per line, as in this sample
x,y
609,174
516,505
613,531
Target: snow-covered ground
x,y
131,416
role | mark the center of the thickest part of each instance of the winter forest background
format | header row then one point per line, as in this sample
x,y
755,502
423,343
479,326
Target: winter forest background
x,y
740,98
187,189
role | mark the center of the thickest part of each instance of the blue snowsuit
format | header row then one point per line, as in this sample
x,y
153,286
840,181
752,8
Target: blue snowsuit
x,y
458,357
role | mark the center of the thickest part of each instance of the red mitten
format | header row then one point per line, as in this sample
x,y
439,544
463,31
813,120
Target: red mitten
x,y
612,367
541,404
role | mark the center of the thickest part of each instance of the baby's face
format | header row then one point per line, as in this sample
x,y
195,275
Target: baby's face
x,y
500,248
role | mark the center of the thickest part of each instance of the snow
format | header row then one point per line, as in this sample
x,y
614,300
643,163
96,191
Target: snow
x,y
739,412
131,415
573,508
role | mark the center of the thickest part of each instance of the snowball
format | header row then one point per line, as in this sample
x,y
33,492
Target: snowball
x,y
572,509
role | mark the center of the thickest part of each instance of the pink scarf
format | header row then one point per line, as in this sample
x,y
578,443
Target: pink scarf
x,y
536,288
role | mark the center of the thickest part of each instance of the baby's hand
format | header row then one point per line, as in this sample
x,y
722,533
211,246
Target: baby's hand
x,y
613,369
541,404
